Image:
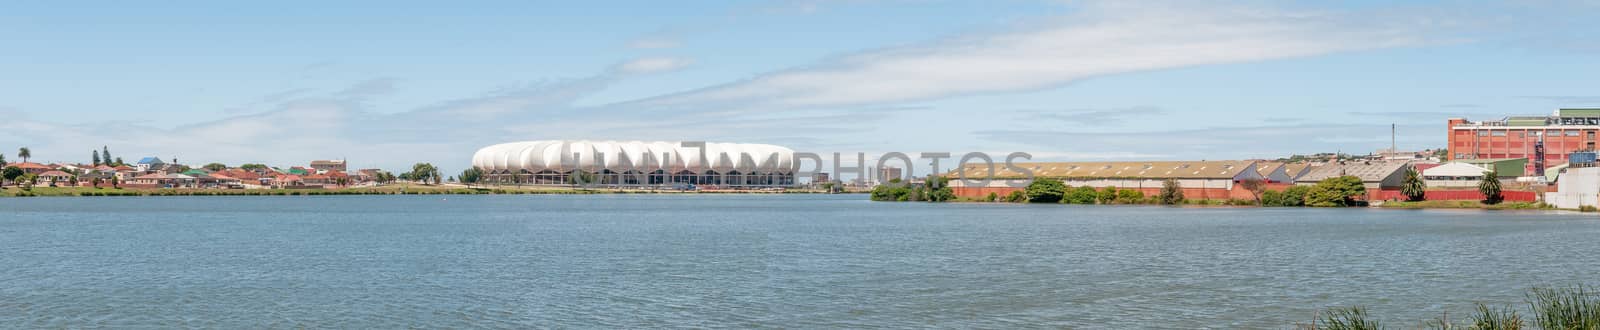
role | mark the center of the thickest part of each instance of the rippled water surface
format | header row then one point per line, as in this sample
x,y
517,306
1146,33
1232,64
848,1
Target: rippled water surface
x,y
753,261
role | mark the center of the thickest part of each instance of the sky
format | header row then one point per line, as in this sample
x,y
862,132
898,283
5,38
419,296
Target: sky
x,y
390,83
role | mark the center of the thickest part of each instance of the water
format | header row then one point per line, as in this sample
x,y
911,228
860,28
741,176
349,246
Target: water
x,y
616,261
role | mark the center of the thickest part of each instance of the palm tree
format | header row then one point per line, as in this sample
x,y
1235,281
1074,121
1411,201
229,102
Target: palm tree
x,y
1490,187
1413,187
24,153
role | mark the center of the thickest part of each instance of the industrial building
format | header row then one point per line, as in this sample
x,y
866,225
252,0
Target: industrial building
x,y
1545,140
636,163
1198,179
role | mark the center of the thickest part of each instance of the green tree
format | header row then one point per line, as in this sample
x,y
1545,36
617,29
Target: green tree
x,y
939,189
423,172
471,175
105,156
24,153
1413,186
1045,191
1171,192
1108,195
1490,187
114,183
993,197
1295,196
890,192
10,173
2,160
119,162
95,155
1080,195
215,167
1335,192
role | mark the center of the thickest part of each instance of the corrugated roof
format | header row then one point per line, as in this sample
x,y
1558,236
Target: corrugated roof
x,y
1455,170
1367,171
1222,169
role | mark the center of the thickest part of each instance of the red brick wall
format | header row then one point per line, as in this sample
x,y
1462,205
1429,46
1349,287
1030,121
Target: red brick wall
x,y
1455,195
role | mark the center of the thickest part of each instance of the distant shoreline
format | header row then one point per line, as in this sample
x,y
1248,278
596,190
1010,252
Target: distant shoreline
x,y
383,190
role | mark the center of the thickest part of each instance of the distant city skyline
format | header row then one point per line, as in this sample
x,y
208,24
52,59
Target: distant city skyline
x,y
388,84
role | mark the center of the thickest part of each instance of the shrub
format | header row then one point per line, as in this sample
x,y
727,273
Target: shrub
x,y
1588,208
1045,191
1295,196
993,197
1171,193
1107,195
1017,196
1130,196
1081,195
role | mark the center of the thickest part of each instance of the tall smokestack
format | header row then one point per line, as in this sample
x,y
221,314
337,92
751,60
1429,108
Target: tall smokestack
x,y
1392,146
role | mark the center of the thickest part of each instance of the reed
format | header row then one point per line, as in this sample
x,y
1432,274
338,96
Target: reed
x,y
1567,308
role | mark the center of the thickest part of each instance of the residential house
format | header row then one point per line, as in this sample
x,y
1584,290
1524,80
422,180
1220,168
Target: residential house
x,y
149,164
54,178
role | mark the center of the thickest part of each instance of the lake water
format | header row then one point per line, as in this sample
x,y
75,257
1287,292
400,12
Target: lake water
x,y
791,261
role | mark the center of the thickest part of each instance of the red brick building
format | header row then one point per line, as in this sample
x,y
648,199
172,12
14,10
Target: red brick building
x,y
1565,131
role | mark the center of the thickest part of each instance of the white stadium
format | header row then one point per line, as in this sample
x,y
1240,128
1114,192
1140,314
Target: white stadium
x,y
636,163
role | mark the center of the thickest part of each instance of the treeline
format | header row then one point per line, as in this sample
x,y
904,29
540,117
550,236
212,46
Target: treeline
x,y
936,189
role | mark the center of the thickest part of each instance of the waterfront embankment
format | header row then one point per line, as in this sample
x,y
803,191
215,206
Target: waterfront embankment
x,y
379,190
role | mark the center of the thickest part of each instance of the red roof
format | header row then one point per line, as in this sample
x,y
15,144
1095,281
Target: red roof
x,y
55,174
30,166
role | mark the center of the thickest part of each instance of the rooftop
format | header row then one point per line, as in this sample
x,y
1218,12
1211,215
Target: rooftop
x,y
1224,169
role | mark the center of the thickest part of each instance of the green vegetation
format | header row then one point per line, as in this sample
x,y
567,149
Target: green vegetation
x,y
1080,195
1130,196
95,156
471,175
1294,196
1490,187
1348,318
1413,187
24,153
1335,192
937,189
1017,196
215,167
1046,191
1576,307
1567,308
10,173
1171,194
1504,318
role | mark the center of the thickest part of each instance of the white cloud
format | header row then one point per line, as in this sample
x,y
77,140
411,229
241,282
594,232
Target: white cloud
x,y
1100,39
653,65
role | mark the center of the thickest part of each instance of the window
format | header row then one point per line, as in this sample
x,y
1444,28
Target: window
x,y
1483,133
1591,135
1572,133
1497,133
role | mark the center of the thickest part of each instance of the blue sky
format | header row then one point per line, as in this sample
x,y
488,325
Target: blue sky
x,y
387,84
